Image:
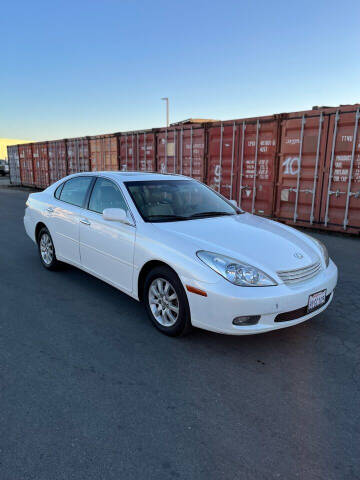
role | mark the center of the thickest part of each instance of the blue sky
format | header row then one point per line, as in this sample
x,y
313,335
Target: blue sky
x,y
89,67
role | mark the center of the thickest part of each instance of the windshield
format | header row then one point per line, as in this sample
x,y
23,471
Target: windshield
x,y
177,200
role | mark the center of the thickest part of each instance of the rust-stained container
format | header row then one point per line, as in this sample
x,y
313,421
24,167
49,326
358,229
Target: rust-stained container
x,y
104,153
340,201
191,152
137,151
301,166
14,164
167,150
222,155
181,149
127,151
77,151
26,165
41,164
145,149
57,160
242,161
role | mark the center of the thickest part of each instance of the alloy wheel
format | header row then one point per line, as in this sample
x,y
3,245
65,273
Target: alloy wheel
x,y
164,302
46,248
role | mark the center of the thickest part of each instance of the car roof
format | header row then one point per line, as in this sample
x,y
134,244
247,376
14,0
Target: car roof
x,y
133,176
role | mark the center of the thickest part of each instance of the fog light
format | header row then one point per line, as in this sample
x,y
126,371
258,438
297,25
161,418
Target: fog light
x,y
246,320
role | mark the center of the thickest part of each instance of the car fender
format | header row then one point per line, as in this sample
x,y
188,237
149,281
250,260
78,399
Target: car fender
x,y
172,251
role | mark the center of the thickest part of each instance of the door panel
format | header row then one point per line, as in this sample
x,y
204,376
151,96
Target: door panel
x,y
64,218
65,230
107,249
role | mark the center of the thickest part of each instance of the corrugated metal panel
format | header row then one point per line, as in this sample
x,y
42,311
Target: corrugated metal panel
x,y
223,146
26,165
14,164
41,164
127,152
191,148
57,160
167,151
340,206
258,150
242,161
137,151
77,150
104,152
301,166
145,148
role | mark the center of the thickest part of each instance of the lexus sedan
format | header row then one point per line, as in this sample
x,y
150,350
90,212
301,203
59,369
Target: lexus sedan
x,y
191,256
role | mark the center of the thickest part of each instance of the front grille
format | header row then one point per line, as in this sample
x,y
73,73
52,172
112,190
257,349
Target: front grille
x,y
290,277
298,313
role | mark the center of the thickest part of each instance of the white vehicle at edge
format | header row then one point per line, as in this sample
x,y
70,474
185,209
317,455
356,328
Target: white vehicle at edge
x,y
190,255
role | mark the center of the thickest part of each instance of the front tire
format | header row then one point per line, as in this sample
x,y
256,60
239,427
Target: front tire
x,y
166,302
47,250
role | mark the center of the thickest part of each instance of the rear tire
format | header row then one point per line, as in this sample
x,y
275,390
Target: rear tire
x,y
166,302
47,250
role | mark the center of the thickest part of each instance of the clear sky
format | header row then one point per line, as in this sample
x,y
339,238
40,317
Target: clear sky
x,y
71,68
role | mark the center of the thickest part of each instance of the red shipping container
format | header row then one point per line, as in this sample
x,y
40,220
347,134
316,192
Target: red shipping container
x,y
104,153
301,165
26,165
191,148
127,151
167,151
258,160
137,151
223,142
145,152
57,160
41,164
14,164
77,151
242,162
340,205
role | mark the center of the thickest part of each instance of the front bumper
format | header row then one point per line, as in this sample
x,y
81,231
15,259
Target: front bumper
x,y
225,301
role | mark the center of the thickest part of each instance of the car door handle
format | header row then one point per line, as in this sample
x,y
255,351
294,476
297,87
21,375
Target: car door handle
x,y
50,210
84,221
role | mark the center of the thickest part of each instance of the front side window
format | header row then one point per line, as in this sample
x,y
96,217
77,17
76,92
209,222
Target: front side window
x,y
106,194
74,190
174,200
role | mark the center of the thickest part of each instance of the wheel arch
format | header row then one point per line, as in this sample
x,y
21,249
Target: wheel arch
x,y
38,228
145,269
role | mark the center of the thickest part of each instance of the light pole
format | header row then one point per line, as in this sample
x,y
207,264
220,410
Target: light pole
x,y
167,110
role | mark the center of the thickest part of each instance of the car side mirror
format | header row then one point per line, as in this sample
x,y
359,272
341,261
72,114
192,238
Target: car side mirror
x,y
116,215
233,202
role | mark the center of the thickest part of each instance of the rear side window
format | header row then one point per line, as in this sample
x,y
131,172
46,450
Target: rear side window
x,y
74,191
106,194
58,191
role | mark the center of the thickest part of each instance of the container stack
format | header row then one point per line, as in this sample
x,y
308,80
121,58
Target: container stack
x,y
302,168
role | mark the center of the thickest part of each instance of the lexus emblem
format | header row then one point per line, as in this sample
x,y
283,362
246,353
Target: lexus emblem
x,y
298,255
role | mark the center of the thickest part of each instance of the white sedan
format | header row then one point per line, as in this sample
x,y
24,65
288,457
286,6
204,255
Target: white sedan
x,y
191,256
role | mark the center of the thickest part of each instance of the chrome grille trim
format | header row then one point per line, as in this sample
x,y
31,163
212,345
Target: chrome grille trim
x,y
289,277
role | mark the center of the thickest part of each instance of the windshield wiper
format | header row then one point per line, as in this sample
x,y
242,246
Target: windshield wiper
x,y
210,214
166,217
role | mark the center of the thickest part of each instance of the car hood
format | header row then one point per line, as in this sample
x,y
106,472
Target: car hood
x,y
263,243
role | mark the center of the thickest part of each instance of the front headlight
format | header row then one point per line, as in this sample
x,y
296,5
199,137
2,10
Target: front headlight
x,y
236,272
323,249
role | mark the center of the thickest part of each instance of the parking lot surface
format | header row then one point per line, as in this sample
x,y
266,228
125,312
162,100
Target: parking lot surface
x,y
91,390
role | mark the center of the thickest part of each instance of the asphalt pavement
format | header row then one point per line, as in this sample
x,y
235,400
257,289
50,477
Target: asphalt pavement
x,y
89,389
